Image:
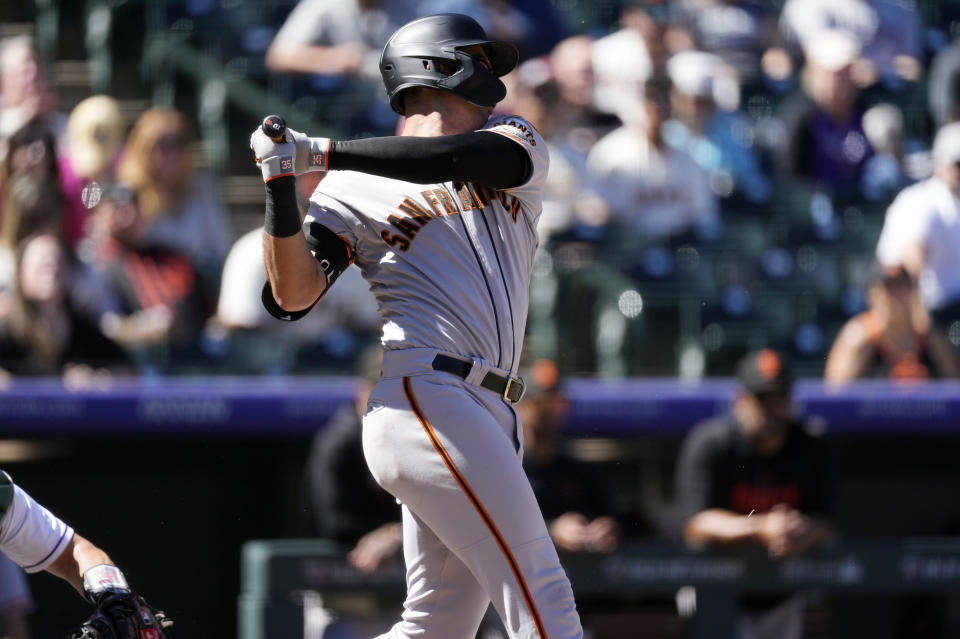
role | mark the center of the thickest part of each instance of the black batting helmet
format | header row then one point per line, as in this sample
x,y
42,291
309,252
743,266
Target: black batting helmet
x,y
429,53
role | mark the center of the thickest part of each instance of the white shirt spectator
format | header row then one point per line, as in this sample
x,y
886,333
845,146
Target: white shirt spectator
x,y
885,28
336,22
348,305
621,64
656,192
927,213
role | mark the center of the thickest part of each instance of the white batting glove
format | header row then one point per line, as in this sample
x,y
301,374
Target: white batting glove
x,y
312,153
296,155
275,159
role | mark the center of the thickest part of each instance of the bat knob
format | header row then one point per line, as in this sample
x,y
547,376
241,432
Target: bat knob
x,y
274,127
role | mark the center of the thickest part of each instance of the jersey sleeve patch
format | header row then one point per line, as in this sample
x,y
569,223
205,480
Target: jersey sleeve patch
x,y
518,129
527,136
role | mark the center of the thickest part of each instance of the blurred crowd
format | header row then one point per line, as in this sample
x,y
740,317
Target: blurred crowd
x,y
725,175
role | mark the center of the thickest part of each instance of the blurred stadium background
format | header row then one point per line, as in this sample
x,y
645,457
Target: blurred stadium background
x,y
196,441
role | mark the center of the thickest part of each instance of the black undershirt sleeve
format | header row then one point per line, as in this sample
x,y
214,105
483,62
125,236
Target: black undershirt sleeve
x,y
482,157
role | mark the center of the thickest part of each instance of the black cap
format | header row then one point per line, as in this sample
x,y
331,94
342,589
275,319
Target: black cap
x,y
765,371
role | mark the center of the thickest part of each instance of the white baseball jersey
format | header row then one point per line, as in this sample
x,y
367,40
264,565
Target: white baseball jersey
x,y
655,192
448,263
31,535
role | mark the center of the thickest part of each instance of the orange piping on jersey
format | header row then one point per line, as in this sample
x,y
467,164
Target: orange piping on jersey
x,y
408,390
351,254
532,141
277,176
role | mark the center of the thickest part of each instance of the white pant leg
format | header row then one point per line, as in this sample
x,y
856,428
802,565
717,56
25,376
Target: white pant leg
x,y
443,598
447,451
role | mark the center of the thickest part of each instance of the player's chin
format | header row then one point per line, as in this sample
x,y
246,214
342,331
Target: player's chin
x,y
484,112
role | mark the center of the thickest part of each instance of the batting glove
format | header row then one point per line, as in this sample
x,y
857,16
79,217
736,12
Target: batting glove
x,y
297,154
312,153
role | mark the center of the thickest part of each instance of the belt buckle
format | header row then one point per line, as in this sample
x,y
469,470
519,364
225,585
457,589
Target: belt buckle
x,y
514,390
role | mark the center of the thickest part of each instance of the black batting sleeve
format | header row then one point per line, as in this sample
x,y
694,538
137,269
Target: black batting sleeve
x,y
282,216
483,157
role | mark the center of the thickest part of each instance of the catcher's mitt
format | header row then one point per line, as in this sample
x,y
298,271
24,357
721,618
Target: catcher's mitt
x,y
124,616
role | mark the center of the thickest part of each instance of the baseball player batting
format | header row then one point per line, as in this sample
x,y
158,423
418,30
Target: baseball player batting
x,y
35,539
442,222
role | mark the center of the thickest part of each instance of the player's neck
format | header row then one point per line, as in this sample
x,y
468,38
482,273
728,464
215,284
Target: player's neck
x,y
433,113
433,124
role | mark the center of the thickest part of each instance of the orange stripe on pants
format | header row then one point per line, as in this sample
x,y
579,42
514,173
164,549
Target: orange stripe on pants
x,y
408,390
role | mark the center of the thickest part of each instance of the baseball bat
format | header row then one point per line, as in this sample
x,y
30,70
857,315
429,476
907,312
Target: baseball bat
x,y
274,128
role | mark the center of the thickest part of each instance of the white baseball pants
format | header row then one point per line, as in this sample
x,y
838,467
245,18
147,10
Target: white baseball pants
x,y
472,530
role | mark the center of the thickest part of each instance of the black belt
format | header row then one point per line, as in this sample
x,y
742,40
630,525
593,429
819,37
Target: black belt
x,y
510,388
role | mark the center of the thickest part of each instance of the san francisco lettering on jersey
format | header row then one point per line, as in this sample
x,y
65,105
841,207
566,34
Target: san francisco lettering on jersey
x,y
412,215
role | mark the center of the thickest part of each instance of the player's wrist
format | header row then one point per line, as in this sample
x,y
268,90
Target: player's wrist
x,y
281,215
102,580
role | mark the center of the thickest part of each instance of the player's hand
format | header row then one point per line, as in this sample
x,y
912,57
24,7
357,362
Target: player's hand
x,y
602,535
311,153
376,547
295,155
275,159
569,532
782,531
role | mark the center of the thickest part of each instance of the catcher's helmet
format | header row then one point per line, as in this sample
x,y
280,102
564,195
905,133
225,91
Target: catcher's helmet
x,y
413,54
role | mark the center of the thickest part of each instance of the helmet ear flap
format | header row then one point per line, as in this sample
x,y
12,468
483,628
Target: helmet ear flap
x,y
474,82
